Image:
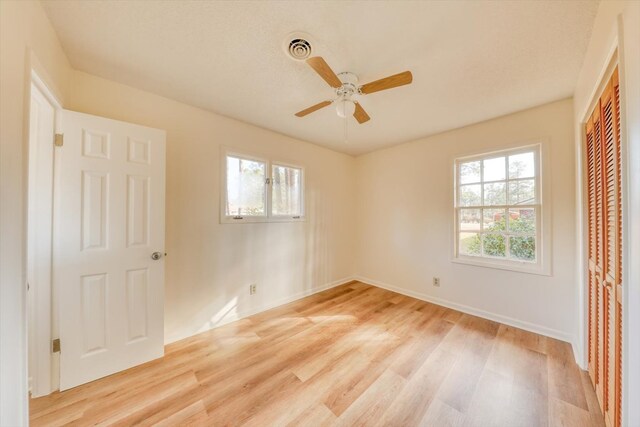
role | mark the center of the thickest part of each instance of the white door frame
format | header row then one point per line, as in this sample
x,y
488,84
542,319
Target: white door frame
x,y
39,316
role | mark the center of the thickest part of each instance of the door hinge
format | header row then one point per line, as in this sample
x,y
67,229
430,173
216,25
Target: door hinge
x,y
58,140
55,345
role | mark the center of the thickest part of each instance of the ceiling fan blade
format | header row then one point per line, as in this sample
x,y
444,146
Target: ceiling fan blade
x,y
313,108
323,69
360,115
396,80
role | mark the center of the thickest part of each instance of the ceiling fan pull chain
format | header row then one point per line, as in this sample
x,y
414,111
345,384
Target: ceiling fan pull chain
x,y
346,130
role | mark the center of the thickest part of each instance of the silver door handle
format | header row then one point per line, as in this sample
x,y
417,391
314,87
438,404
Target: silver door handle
x,y
156,256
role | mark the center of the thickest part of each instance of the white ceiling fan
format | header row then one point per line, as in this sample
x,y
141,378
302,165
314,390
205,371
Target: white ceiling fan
x,y
346,86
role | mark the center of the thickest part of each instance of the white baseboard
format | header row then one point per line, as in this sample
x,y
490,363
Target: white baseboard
x,y
580,360
510,321
273,304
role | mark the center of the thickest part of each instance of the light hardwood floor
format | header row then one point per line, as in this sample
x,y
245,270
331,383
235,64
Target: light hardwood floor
x,y
352,355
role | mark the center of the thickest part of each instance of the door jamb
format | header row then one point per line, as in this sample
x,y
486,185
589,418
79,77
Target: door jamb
x,y
40,330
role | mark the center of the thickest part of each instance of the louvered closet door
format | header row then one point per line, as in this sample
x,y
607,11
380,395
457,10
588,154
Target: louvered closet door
x,y
605,250
609,214
599,253
594,285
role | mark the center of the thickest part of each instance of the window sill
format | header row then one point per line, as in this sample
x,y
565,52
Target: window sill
x,y
254,220
518,267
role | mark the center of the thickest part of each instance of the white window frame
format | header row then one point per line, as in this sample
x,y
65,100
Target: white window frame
x,y
542,262
285,218
268,217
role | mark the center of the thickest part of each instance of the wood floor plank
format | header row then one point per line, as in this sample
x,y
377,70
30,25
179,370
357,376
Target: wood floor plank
x,y
194,414
442,415
315,416
565,414
353,355
372,404
565,382
411,404
471,340
488,403
421,348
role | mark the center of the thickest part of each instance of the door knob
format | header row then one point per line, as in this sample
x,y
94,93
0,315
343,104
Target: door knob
x,y
156,256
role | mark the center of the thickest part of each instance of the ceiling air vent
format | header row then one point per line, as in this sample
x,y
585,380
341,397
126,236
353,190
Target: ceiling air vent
x,y
299,49
298,46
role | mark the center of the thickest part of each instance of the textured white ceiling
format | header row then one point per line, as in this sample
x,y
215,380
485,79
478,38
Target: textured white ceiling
x,y
471,60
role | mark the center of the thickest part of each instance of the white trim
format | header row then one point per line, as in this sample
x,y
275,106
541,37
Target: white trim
x,y
582,232
40,247
611,60
42,87
510,321
527,326
509,265
265,307
630,103
542,265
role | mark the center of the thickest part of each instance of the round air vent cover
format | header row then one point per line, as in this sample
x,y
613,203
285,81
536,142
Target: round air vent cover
x,y
298,46
299,49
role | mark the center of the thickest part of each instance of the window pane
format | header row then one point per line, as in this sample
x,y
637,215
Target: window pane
x,y
469,172
493,219
522,220
497,206
522,165
469,219
245,187
495,194
469,244
494,169
470,195
286,195
522,248
494,245
522,192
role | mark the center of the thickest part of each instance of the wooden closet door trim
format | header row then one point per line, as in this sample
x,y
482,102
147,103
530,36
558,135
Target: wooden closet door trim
x,y
609,245
592,248
615,83
599,254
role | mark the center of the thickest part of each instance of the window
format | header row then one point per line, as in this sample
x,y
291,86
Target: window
x,y
498,208
246,189
256,190
286,193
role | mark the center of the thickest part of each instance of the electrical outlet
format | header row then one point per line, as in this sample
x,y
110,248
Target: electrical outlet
x,y
253,289
436,281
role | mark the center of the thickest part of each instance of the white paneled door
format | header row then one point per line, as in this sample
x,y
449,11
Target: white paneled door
x,y
109,246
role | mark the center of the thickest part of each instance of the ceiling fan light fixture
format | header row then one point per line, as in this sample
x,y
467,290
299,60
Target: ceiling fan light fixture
x,y
345,108
346,87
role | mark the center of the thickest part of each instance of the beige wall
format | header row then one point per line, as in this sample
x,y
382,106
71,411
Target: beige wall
x,y
210,265
617,26
26,40
405,222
